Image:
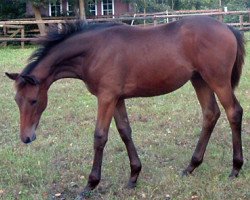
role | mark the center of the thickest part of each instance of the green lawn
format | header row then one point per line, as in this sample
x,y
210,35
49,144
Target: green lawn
x,y
165,131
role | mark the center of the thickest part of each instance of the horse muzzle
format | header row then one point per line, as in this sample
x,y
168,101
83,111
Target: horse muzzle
x,y
28,134
28,139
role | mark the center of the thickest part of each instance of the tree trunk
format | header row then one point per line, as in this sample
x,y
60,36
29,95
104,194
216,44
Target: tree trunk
x,y
82,10
248,15
144,11
38,17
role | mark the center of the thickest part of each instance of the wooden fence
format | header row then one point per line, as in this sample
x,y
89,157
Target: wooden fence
x,y
153,18
13,30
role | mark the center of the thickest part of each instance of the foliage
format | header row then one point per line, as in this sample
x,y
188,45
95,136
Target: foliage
x,y
11,9
162,5
197,5
149,5
236,5
39,3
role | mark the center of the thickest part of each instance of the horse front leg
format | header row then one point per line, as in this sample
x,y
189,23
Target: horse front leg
x,y
124,129
106,106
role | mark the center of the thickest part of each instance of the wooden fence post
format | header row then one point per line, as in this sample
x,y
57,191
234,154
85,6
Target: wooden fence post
x,y
155,21
249,15
22,36
5,34
241,21
221,17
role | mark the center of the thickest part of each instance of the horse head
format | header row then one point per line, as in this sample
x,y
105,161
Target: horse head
x,y
31,98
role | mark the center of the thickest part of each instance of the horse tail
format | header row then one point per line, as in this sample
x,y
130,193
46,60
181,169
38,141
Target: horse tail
x,y
239,61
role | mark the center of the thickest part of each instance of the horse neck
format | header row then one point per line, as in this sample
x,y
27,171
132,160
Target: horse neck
x,y
61,63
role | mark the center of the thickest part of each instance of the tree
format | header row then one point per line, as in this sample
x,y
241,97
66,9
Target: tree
x,y
161,5
12,9
82,12
37,4
235,4
149,5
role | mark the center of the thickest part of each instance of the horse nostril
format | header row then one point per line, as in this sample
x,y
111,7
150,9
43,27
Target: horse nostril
x,y
28,140
33,137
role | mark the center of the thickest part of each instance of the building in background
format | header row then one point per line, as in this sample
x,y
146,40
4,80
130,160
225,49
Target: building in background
x,y
93,9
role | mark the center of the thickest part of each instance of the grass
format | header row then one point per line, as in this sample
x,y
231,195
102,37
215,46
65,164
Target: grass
x,y
165,131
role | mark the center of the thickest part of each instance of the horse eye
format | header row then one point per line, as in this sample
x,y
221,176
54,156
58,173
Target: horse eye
x,y
32,102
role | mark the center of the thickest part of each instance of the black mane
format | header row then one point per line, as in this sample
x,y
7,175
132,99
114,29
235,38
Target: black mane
x,y
55,36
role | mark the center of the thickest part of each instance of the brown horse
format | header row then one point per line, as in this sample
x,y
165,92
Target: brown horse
x,y
117,62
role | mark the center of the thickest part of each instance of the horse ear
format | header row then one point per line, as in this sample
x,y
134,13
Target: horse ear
x,y
12,76
30,79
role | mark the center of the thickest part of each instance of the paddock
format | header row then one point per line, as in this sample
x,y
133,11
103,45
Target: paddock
x,y
57,165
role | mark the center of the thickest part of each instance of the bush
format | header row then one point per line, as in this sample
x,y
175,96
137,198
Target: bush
x,y
12,9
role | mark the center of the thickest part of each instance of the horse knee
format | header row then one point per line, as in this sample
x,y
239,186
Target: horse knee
x,y
100,139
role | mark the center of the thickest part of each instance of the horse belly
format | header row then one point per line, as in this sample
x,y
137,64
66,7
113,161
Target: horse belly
x,y
152,84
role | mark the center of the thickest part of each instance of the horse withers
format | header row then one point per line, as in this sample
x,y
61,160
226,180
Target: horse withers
x,y
117,62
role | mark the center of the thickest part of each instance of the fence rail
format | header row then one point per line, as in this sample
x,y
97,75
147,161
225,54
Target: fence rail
x,y
125,18
153,17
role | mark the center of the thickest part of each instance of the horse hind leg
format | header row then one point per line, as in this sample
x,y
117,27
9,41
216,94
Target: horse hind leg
x,y
211,113
234,114
123,127
220,83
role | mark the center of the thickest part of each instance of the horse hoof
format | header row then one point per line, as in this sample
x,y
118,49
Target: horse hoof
x,y
234,174
232,177
83,195
79,197
131,185
185,173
